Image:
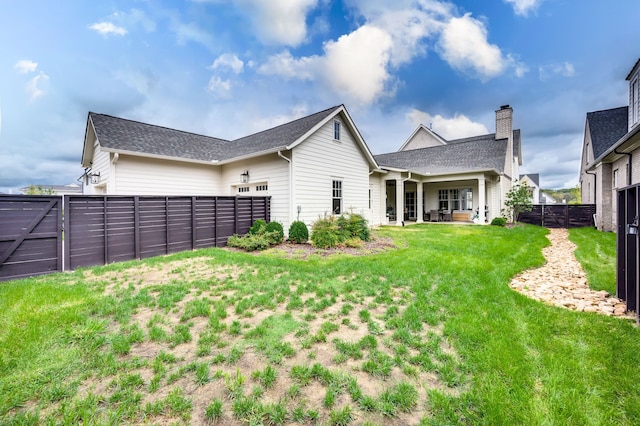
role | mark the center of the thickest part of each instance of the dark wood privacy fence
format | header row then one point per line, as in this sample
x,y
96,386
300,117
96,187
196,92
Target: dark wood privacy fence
x,y
30,235
104,229
560,215
627,250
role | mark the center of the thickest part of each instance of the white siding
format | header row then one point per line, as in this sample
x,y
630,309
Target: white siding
x,y
99,164
148,176
270,170
317,162
422,139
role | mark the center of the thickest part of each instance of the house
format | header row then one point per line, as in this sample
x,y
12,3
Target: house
x,y
464,176
610,154
532,180
546,198
313,166
69,189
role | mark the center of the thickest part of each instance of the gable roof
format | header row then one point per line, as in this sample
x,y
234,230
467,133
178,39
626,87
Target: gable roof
x,y
460,156
423,128
137,138
279,137
122,135
606,127
533,177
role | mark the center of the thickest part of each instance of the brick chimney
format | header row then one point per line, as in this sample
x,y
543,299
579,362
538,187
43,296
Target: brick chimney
x,y
504,130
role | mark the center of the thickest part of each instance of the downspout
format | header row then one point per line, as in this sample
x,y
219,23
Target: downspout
x,y
288,160
595,194
111,188
630,158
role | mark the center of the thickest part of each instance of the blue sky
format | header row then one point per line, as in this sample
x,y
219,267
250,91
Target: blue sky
x,y
230,68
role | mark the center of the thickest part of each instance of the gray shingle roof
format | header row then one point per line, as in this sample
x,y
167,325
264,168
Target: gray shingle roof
x,y
127,135
277,137
535,177
606,128
462,155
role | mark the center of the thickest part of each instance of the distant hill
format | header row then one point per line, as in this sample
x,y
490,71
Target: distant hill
x,y
565,195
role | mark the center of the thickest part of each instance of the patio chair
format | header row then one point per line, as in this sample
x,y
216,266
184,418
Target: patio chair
x,y
446,216
434,216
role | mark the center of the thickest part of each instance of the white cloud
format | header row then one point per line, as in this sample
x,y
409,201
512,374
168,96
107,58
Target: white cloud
x,y
279,21
34,86
523,7
356,64
219,86
228,60
191,32
108,28
464,46
457,127
285,65
25,66
564,69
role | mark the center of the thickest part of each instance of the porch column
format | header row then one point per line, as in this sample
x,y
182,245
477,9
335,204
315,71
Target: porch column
x,y
481,200
399,202
420,204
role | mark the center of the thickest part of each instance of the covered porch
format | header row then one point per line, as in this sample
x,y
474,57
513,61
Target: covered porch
x,y
413,198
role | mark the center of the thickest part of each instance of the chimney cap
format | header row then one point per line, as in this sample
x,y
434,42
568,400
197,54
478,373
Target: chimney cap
x,y
505,106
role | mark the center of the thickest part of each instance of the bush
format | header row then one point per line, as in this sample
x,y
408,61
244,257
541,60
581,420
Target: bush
x,y
330,232
258,227
325,233
275,232
499,221
249,242
355,226
298,232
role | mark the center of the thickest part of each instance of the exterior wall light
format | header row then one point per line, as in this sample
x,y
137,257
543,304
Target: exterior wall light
x,y
632,228
244,177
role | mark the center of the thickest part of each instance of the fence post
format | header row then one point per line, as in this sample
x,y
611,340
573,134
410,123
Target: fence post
x,y
193,223
136,222
105,228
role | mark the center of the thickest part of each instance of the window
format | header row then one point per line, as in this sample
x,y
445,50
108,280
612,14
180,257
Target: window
x,y
336,130
243,189
454,194
443,199
262,187
336,205
633,102
455,199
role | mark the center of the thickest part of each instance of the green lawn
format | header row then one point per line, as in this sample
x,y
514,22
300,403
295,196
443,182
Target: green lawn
x,y
429,333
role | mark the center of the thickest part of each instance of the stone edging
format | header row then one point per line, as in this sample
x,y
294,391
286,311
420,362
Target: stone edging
x,y
561,281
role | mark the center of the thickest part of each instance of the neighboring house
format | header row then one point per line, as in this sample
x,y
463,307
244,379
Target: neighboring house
x,y
611,154
311,167
533,182
546,198
70,189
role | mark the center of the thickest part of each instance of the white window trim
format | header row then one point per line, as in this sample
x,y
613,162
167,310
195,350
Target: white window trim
x,y
337,125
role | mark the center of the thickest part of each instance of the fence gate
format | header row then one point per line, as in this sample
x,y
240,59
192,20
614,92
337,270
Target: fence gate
x,y
30,236
628,259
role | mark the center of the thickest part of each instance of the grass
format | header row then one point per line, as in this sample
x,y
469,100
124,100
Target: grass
x,y
596,251
429,333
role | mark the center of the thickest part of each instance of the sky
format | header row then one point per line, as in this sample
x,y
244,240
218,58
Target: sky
x,y
229,68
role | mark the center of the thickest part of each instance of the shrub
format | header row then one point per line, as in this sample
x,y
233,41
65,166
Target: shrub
x,y
258,227
499,221
275,232
325,233
249,242
298,232
355,226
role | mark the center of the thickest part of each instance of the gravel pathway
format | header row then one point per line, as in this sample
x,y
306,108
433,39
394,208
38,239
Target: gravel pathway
x,y
561,281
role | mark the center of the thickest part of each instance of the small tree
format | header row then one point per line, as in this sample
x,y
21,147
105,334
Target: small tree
x,y
39,190
518,201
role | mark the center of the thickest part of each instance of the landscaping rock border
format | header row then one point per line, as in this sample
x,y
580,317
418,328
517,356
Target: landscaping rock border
x,y
561,281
